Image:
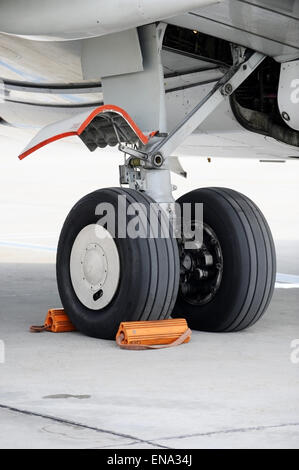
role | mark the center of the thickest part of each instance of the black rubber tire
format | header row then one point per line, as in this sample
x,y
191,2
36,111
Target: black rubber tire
x,y
149,269
249,262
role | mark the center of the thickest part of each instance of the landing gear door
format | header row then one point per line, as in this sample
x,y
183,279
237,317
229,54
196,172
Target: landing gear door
x,y
288,93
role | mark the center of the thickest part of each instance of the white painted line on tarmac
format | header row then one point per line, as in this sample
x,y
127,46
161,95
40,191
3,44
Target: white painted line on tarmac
x,y
281,285
12,237
287,278
287,281
27,246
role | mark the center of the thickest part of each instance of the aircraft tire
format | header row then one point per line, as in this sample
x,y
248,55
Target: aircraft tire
x,y
241,277
105,280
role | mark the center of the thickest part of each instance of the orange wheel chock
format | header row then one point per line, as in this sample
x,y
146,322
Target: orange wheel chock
x,y
138,335
56,321
153,334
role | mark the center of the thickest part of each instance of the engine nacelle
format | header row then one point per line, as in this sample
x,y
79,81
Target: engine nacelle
x,y
74,19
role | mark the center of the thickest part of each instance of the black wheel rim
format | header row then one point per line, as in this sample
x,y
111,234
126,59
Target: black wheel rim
x,y
201,268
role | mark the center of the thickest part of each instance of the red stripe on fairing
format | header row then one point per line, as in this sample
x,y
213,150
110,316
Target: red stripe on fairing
x,y
101,109
45,142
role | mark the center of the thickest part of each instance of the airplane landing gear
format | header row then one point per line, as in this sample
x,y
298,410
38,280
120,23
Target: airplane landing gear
x,y
225,283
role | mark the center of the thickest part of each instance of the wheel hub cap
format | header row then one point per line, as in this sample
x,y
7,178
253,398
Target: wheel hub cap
x,y
94,267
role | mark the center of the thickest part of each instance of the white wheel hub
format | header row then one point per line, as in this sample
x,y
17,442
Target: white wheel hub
x,y
94,267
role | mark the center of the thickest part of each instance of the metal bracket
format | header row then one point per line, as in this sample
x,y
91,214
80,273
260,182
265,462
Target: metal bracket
x,y
131,176
147,161
133,152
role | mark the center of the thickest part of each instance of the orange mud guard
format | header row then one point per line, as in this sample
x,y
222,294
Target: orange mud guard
x,y
56,321
153,334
